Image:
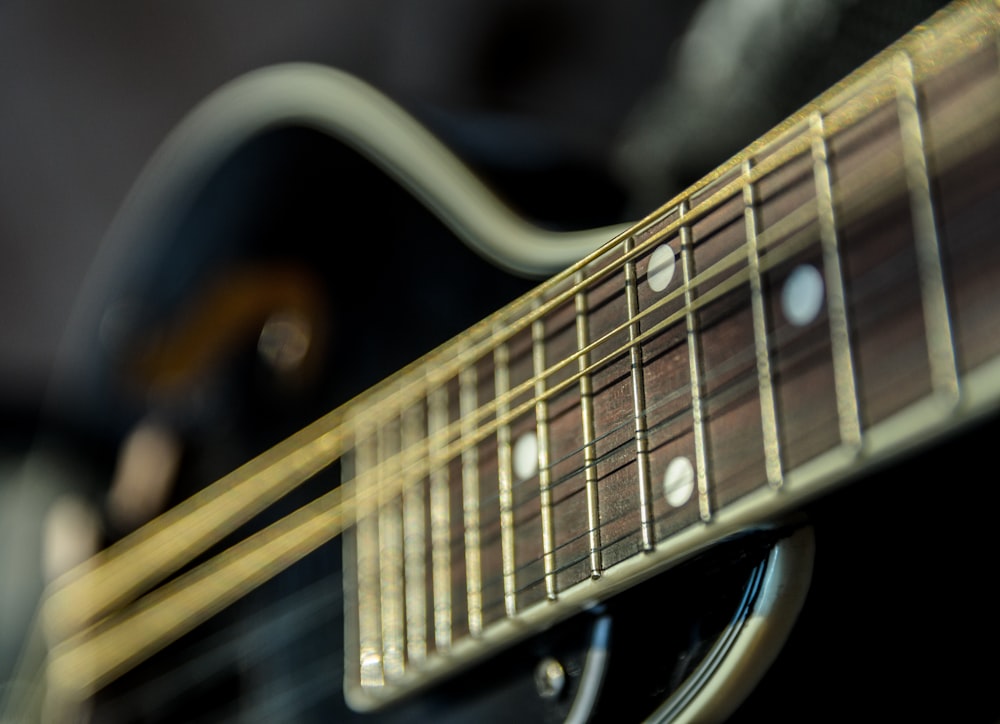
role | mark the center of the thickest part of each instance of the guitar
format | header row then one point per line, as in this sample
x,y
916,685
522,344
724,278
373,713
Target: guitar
x,y
589,505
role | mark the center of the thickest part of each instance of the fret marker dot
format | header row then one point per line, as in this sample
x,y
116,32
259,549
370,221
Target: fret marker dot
x,y
525,456
678,481
802,295
661,268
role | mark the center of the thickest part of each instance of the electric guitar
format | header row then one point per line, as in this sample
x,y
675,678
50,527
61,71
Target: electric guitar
x,y
592,504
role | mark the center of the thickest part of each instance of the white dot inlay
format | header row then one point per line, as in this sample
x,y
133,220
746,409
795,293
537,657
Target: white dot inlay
x,y
525,456
678,481
802,295
661,268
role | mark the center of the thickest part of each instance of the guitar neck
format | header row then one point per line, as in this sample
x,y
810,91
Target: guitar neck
x,y
822,302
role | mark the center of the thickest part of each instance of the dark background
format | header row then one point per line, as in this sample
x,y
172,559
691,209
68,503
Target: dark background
x,y
87,91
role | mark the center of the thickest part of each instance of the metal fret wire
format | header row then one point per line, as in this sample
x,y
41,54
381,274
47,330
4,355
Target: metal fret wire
x,y
844,377
637,375
694,367
765,387
415,543
937,319
544,469
587,423
505,479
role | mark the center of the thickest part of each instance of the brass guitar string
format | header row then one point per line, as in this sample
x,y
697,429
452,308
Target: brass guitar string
x,y
329,667
879,310
108,600
324,673
335,517
667,232
234,499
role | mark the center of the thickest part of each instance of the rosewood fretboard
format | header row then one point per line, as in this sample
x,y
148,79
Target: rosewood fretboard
x,y
819,303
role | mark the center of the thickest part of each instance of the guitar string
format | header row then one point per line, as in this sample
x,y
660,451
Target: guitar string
x,y
877,308
166,592
374,474
323,674
239,514
486,430
336,524
149,541
199,654
880,310
157,547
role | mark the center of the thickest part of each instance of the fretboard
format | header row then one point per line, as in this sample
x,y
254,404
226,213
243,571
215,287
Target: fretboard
x,y
823,302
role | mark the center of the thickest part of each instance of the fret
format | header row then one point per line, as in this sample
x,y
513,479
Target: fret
x,y
505,478
390,548
468,401
560,502
614,416
765,388
639,405
440,503
366,539
588,429
667,378
544,469
727,350
967,202
791,266
697,406
495,528
884,303
937,319
524,499
845,378
414,541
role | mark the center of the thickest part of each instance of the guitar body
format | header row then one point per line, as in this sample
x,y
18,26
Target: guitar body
x,y
284,205
279,216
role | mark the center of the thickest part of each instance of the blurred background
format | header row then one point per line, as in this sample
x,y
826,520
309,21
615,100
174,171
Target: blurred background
x,y
579,113
637,97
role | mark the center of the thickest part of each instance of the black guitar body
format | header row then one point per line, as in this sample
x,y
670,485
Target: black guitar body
x,y
900,620
294,199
